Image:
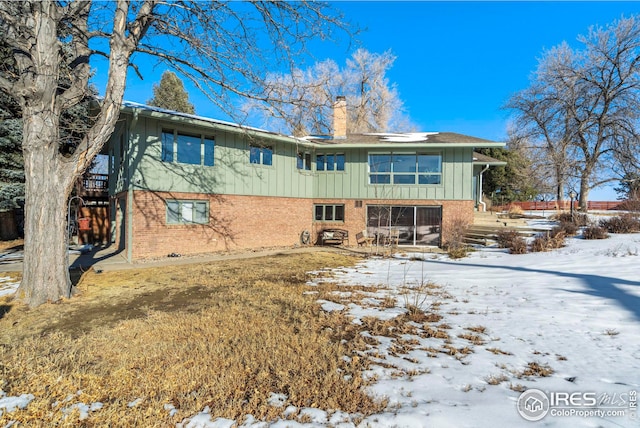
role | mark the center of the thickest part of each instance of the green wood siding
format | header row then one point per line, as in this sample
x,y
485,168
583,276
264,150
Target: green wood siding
x,y
353,183
233,174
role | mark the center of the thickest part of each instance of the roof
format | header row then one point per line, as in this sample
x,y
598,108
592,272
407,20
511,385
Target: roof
x,y
480,159
192,119
366,140
406,139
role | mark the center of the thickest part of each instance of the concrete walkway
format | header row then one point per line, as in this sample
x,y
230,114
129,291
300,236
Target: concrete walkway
x,y
111,259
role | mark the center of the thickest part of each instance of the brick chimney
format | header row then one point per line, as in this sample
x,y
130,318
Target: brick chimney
x,y
340,118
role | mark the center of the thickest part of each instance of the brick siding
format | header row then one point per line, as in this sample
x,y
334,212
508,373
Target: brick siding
x,y
235,222
252,222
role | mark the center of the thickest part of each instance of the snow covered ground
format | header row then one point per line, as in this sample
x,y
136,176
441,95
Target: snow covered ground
x,y
7,285
573,312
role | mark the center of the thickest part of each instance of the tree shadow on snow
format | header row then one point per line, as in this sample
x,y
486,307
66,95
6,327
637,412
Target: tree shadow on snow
x,y
597,285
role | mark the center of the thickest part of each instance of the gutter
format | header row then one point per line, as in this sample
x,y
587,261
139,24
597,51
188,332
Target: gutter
x,y
396,146
129,223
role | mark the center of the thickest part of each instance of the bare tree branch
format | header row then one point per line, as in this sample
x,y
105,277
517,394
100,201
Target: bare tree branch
x,y
594,94
226,48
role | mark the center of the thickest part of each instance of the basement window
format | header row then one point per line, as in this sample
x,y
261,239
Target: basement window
x,y
187,212
329,212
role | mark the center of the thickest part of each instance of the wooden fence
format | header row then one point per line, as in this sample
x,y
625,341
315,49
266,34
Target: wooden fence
x,y
99,226
563,205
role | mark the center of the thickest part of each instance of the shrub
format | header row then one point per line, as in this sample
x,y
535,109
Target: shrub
x,y
515,211
629,205
624,223
595,232
458,228
539,244
511,240
455,245
579,219
570,229
505,237
518,246
549,241
458,252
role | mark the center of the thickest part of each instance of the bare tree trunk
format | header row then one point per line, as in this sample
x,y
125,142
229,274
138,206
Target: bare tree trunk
x,y
583,199
49,176
559,186
46,259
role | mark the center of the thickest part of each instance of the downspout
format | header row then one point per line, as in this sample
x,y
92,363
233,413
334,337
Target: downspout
x,y
129,214
480,201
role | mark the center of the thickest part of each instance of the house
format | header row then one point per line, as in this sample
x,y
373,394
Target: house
x,y
186,184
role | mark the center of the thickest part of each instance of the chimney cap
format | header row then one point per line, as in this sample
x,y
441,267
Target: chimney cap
x,y
341,98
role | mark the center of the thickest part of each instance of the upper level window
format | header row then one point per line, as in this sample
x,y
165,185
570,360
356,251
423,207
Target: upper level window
x,y
262,155
405,168
304,161
330,162
186,148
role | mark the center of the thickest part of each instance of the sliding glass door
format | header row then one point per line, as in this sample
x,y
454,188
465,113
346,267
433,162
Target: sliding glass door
x,y
413,225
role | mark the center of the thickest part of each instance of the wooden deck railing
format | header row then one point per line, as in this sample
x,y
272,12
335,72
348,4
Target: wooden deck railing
x,y
94,185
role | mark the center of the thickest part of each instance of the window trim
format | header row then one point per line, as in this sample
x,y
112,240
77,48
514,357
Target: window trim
x,y
303,161
323,208
262,148
172,156
416,174
334,164
180,211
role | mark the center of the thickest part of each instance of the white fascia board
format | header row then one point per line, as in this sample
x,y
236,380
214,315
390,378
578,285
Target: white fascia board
x,y
423,146
214,124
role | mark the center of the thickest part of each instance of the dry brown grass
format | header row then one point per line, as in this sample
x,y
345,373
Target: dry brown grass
x,y
517,387
225,335
496,379
480,329
515,211
473,338
497,351
15,244
437,333
535,369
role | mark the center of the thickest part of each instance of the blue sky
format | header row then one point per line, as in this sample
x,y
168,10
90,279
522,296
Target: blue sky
x,y
457,62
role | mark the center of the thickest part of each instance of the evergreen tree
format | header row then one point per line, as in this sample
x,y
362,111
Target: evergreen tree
x,y
629,187
171,95
74,122
11,163
514,181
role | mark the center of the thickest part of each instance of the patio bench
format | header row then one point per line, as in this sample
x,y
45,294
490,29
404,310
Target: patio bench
x,y
334,237
363,239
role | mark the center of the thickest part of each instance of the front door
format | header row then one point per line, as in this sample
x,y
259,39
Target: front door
x,y
121,230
